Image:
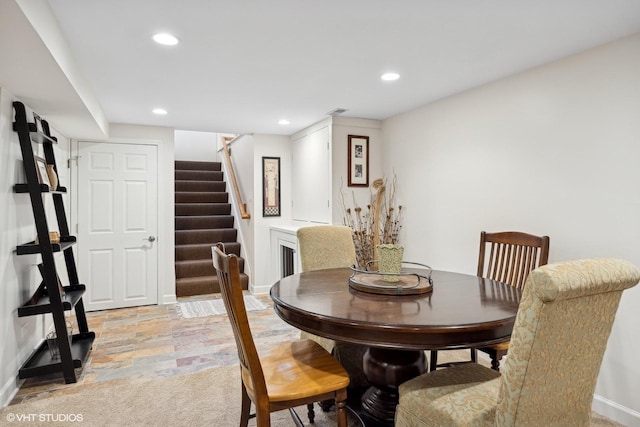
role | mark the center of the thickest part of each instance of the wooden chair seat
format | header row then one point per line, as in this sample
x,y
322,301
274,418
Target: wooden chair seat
x,y
496,353
297,371
503,346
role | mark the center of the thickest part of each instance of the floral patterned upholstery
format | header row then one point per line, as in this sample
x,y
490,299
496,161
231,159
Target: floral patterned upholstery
x,y
558,341
326,246
331,246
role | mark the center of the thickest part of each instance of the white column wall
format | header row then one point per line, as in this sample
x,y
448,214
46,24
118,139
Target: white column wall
x,y
269,146
341,128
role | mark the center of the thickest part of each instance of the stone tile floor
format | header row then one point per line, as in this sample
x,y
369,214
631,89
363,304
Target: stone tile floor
x,y
155,341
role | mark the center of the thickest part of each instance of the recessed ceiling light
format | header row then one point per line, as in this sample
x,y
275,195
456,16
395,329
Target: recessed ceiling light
x,y
159,111
389,77
284,122
165,39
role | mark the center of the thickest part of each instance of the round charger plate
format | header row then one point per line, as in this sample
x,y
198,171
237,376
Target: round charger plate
x,y
407,283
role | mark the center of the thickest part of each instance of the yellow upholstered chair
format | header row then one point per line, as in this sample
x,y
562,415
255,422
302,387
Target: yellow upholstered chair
x,y
326,246
507,257
289,375
331,246
558,341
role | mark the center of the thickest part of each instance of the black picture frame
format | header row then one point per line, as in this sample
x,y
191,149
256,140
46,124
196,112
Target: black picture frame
x,y
271,186
358,161
41,169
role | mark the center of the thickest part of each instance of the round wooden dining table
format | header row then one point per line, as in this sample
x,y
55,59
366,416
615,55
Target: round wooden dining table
x,y
461,311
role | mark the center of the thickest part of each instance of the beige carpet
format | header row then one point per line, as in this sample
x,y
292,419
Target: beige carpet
x,y
206,398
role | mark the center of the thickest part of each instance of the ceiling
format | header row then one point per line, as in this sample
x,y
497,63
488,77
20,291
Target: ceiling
x,y
243,65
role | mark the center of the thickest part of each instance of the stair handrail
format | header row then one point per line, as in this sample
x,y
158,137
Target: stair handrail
x,y
232,176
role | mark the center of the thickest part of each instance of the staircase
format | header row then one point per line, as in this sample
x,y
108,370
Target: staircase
x,y
203,218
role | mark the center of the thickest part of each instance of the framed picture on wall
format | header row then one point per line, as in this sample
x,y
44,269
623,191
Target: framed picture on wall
x,y
358,161
271,186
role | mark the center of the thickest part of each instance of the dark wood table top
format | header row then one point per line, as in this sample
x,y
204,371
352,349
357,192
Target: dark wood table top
x,y
462,311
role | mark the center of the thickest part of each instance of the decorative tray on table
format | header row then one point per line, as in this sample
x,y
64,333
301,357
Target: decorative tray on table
x,y
412,282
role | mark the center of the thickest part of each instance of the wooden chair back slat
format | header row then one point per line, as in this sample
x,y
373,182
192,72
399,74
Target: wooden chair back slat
x,y
513,255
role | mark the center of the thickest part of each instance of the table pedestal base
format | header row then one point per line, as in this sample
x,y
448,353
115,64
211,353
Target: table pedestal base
x,y
385,370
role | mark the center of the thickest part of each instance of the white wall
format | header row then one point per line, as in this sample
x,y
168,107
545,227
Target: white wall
x,y
18,274
198,146
551,151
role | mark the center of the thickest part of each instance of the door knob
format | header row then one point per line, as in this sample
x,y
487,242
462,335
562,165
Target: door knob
x,y
151,239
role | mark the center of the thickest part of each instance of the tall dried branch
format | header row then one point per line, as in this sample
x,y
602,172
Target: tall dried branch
x,y
378,223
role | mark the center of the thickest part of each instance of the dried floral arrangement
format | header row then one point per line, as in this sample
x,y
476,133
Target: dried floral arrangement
x,y
378,223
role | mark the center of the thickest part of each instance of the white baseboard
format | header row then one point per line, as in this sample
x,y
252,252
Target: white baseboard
x,y
9,391
615,411
168,299
258,290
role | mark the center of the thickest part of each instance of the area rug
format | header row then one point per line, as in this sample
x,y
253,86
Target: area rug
x,y
214,307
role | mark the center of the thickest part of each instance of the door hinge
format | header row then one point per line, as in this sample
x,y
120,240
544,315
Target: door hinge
x,y
72,159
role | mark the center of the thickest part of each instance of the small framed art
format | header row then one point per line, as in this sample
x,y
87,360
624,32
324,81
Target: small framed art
x,y
358,161
41,168
271,186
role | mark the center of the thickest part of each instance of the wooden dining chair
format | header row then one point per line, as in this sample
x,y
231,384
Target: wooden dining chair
x,y
506,257
567,311
331,246
291,374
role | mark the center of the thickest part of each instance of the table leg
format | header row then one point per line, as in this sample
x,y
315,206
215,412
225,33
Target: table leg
x,y
385,370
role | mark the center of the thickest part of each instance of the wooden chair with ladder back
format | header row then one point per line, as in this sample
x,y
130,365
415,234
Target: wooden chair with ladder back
x,y
289,375
512,256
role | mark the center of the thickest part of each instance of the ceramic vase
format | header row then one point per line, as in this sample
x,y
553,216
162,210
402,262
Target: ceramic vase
x,y
53,177
390,260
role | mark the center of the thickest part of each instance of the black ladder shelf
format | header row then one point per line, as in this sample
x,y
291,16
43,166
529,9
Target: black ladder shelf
x,y
49,298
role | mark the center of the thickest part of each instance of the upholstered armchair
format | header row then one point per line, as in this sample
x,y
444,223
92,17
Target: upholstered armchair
x,y
331,246
558,341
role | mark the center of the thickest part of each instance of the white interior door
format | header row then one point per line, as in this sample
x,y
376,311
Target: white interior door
x,y
117,224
